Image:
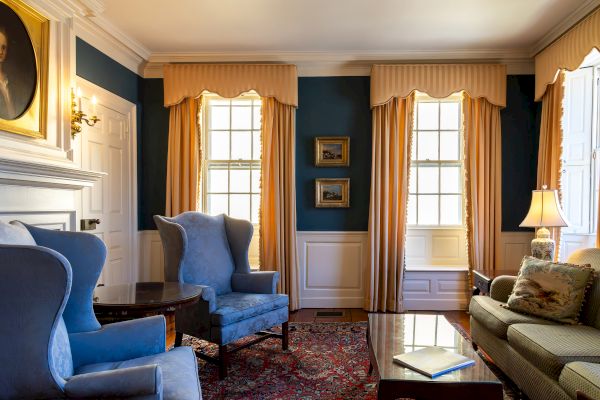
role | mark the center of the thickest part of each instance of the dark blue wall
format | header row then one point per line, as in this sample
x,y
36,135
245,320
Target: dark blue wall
x,y
333,106
520,136
153,154
328,106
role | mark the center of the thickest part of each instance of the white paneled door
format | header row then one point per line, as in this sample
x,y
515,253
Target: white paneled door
x,y
106,147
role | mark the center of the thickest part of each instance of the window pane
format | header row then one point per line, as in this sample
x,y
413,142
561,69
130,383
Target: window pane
x,y
241,118
241,145
256,179
451,179
255,208
219,145
449,116
449,145
257,117
241,102
240,206
427,117
217,204
428,178
451,206
256,145
219,118
427,147
239,180
428,209
412,209
217,179
412,180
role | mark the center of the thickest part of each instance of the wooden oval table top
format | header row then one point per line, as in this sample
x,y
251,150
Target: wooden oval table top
x,y
145,296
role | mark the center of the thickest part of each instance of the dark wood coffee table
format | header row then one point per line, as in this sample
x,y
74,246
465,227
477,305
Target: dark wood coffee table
x,y
142,299
392,334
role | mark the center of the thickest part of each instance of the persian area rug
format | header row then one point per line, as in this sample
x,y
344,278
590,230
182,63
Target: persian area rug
x,y
325,361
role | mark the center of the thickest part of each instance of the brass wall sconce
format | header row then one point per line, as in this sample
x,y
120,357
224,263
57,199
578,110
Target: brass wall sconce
x,y
77,114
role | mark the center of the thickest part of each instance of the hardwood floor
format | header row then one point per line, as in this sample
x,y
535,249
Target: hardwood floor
x,y
357,315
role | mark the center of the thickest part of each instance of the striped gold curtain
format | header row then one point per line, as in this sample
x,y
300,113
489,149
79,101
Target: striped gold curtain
x,y
183,157
278,197
549,169
483,177
392,132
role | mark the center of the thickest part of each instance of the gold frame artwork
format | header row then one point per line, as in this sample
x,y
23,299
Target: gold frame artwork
x,y
32,122
322,183
343,141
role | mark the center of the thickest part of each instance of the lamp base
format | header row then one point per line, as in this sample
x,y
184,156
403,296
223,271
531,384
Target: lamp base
x,y
543,245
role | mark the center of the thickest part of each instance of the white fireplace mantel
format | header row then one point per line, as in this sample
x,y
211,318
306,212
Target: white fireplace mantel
x,y
25,173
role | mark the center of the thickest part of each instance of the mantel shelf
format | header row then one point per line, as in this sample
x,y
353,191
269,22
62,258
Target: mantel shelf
x,y
25,173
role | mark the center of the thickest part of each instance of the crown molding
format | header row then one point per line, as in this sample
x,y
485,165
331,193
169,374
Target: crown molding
x,y
562,27
345,63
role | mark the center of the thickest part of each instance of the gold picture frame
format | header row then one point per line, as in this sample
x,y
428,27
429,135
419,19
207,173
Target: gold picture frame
x,y
24,105
332,192
332,151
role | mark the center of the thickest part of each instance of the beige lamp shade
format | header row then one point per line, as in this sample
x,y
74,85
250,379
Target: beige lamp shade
x,y
545,210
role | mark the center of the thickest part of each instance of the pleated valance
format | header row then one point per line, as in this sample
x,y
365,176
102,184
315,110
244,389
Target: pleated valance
x,y
567,52
230,80
438,80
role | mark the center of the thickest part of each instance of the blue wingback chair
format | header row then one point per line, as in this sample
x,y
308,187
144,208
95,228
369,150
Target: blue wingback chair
x,y
55,347
213,252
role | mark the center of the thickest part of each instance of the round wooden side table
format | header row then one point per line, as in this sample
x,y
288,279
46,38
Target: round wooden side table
x,y
142,299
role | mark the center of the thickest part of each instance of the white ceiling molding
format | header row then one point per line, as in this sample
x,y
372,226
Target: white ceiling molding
x,y
345,64
581,12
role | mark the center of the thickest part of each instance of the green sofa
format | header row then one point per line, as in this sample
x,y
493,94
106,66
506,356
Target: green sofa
x,y
548,361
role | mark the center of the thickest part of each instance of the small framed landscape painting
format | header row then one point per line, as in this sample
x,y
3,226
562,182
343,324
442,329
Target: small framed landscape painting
x,y
332,192
332,151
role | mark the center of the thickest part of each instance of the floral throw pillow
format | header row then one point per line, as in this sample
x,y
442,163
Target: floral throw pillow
x,y
554,291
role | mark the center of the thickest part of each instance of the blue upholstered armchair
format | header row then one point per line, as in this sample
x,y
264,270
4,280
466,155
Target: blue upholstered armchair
x,y
55,347
213,252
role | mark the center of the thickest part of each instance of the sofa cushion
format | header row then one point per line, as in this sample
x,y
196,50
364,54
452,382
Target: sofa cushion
x,y
236,306
581,376
590,314
551,347
496,318
550,290
179,371
15,233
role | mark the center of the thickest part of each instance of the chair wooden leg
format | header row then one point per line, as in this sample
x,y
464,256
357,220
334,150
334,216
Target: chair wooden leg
x,y
223,361
178,339
285,338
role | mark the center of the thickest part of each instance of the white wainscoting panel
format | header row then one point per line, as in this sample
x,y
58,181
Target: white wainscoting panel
x,y
513,247
56,220
332,269
332,266
151,257
435,288
436,246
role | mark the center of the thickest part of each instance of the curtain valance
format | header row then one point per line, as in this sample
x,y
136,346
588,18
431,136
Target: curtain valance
x,y
438,80
567,52
230,80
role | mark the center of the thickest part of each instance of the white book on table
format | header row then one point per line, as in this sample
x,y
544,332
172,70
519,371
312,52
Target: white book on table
x,y
433,361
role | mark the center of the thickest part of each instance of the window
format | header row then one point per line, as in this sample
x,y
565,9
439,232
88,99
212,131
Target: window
x,y
436,176
231,159
580,164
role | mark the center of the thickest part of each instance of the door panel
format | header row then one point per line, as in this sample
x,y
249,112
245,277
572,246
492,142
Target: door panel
x,y
105,147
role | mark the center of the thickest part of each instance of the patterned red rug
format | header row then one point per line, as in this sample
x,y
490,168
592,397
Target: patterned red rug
x,y
324,361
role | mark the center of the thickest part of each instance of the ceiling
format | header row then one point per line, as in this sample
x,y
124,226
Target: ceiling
x,y
340,26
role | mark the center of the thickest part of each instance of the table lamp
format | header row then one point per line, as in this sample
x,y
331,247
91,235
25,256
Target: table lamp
x,y
544,213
